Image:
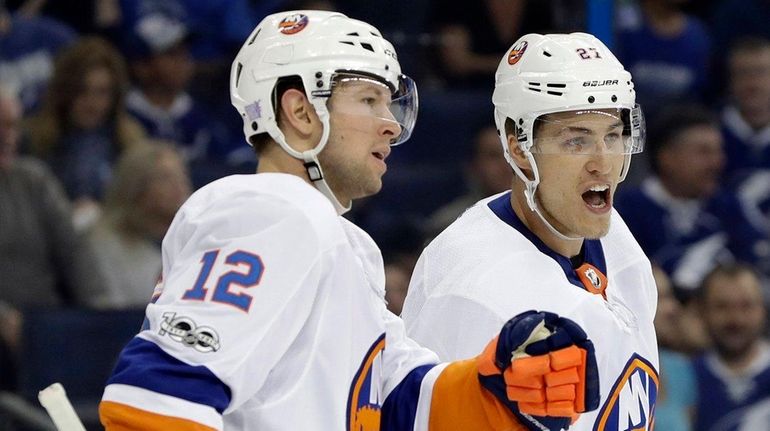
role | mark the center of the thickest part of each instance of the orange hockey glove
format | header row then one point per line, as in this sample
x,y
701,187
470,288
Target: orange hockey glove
x,y
543,368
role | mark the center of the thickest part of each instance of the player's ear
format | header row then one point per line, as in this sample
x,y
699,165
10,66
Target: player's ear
x,y
298,113
517,154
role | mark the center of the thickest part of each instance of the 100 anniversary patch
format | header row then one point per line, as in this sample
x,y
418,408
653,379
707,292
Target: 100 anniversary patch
x,y
184,330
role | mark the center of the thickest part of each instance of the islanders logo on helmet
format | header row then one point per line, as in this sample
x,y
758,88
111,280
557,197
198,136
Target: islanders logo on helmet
x,y
294,23
517,52
630,404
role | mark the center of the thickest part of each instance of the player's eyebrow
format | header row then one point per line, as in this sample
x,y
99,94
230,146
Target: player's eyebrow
x,y
587,131
616,125
370,86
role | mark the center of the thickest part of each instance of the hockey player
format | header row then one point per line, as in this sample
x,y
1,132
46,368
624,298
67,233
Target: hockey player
x,y
565,110
270,312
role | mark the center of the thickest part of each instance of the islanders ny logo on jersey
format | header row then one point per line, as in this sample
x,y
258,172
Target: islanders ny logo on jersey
x,y
630,405
292,24
365,399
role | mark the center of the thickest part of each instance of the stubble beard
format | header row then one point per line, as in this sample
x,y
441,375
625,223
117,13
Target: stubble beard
x,y
733,352
347,178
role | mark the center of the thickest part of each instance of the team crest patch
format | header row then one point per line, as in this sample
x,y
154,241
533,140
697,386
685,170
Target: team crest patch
x,y
631,403
593,277
294,23
517,52
365,399
184,330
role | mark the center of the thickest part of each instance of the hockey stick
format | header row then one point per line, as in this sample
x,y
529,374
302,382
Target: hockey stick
x,y
59,408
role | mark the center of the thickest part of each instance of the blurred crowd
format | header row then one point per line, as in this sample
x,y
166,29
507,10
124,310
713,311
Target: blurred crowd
x,y
112,112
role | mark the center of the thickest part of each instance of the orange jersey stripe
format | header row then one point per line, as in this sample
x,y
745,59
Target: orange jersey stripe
x,y
121,417
460,403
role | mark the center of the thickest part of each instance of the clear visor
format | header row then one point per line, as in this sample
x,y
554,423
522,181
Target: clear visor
x,y
610,131
370,97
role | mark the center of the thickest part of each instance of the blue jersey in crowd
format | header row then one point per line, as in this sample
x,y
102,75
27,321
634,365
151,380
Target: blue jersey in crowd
x,y
688,237
665,68
731,402
219,26
746,149
27,54
753,191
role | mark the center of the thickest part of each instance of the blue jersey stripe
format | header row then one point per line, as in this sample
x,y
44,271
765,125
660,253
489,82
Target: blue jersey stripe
x,y
145,365
400,407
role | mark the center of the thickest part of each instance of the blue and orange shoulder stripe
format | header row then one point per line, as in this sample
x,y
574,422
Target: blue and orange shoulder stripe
x,y
144,367
120,417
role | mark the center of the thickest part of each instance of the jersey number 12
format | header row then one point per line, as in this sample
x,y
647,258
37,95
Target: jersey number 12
x,y
222,292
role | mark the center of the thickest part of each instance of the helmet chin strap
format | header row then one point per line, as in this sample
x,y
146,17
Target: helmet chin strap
x,y
315,173
532,203
313,166
310,158
529,193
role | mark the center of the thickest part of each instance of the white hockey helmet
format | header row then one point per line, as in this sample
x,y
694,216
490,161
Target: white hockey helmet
x,y
545,74
318,47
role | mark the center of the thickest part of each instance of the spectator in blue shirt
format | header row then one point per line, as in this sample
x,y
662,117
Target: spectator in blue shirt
x,y
159,57
734,377
679,215
746,118
667,52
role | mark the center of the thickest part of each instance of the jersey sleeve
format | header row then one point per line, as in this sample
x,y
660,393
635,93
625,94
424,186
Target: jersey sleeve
x,y
423,396
236,291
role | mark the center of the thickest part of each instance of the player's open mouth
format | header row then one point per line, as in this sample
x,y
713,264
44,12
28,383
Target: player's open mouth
x,y
598,196
382,154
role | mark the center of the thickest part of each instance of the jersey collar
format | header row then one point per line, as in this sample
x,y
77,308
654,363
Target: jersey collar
x,y
589,274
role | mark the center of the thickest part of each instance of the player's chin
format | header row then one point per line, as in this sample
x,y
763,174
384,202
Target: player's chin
x,y
370,186
595,229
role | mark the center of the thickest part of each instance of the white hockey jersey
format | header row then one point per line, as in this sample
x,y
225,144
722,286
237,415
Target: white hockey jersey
x,y
487,266
270,315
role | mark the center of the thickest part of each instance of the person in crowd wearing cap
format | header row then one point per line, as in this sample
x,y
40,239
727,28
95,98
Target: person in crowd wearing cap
x,y
157,47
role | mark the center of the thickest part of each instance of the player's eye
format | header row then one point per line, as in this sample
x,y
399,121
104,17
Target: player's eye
x,y
612,140
574,145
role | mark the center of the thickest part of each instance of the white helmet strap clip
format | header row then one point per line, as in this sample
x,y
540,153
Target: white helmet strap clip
x,y
314,171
